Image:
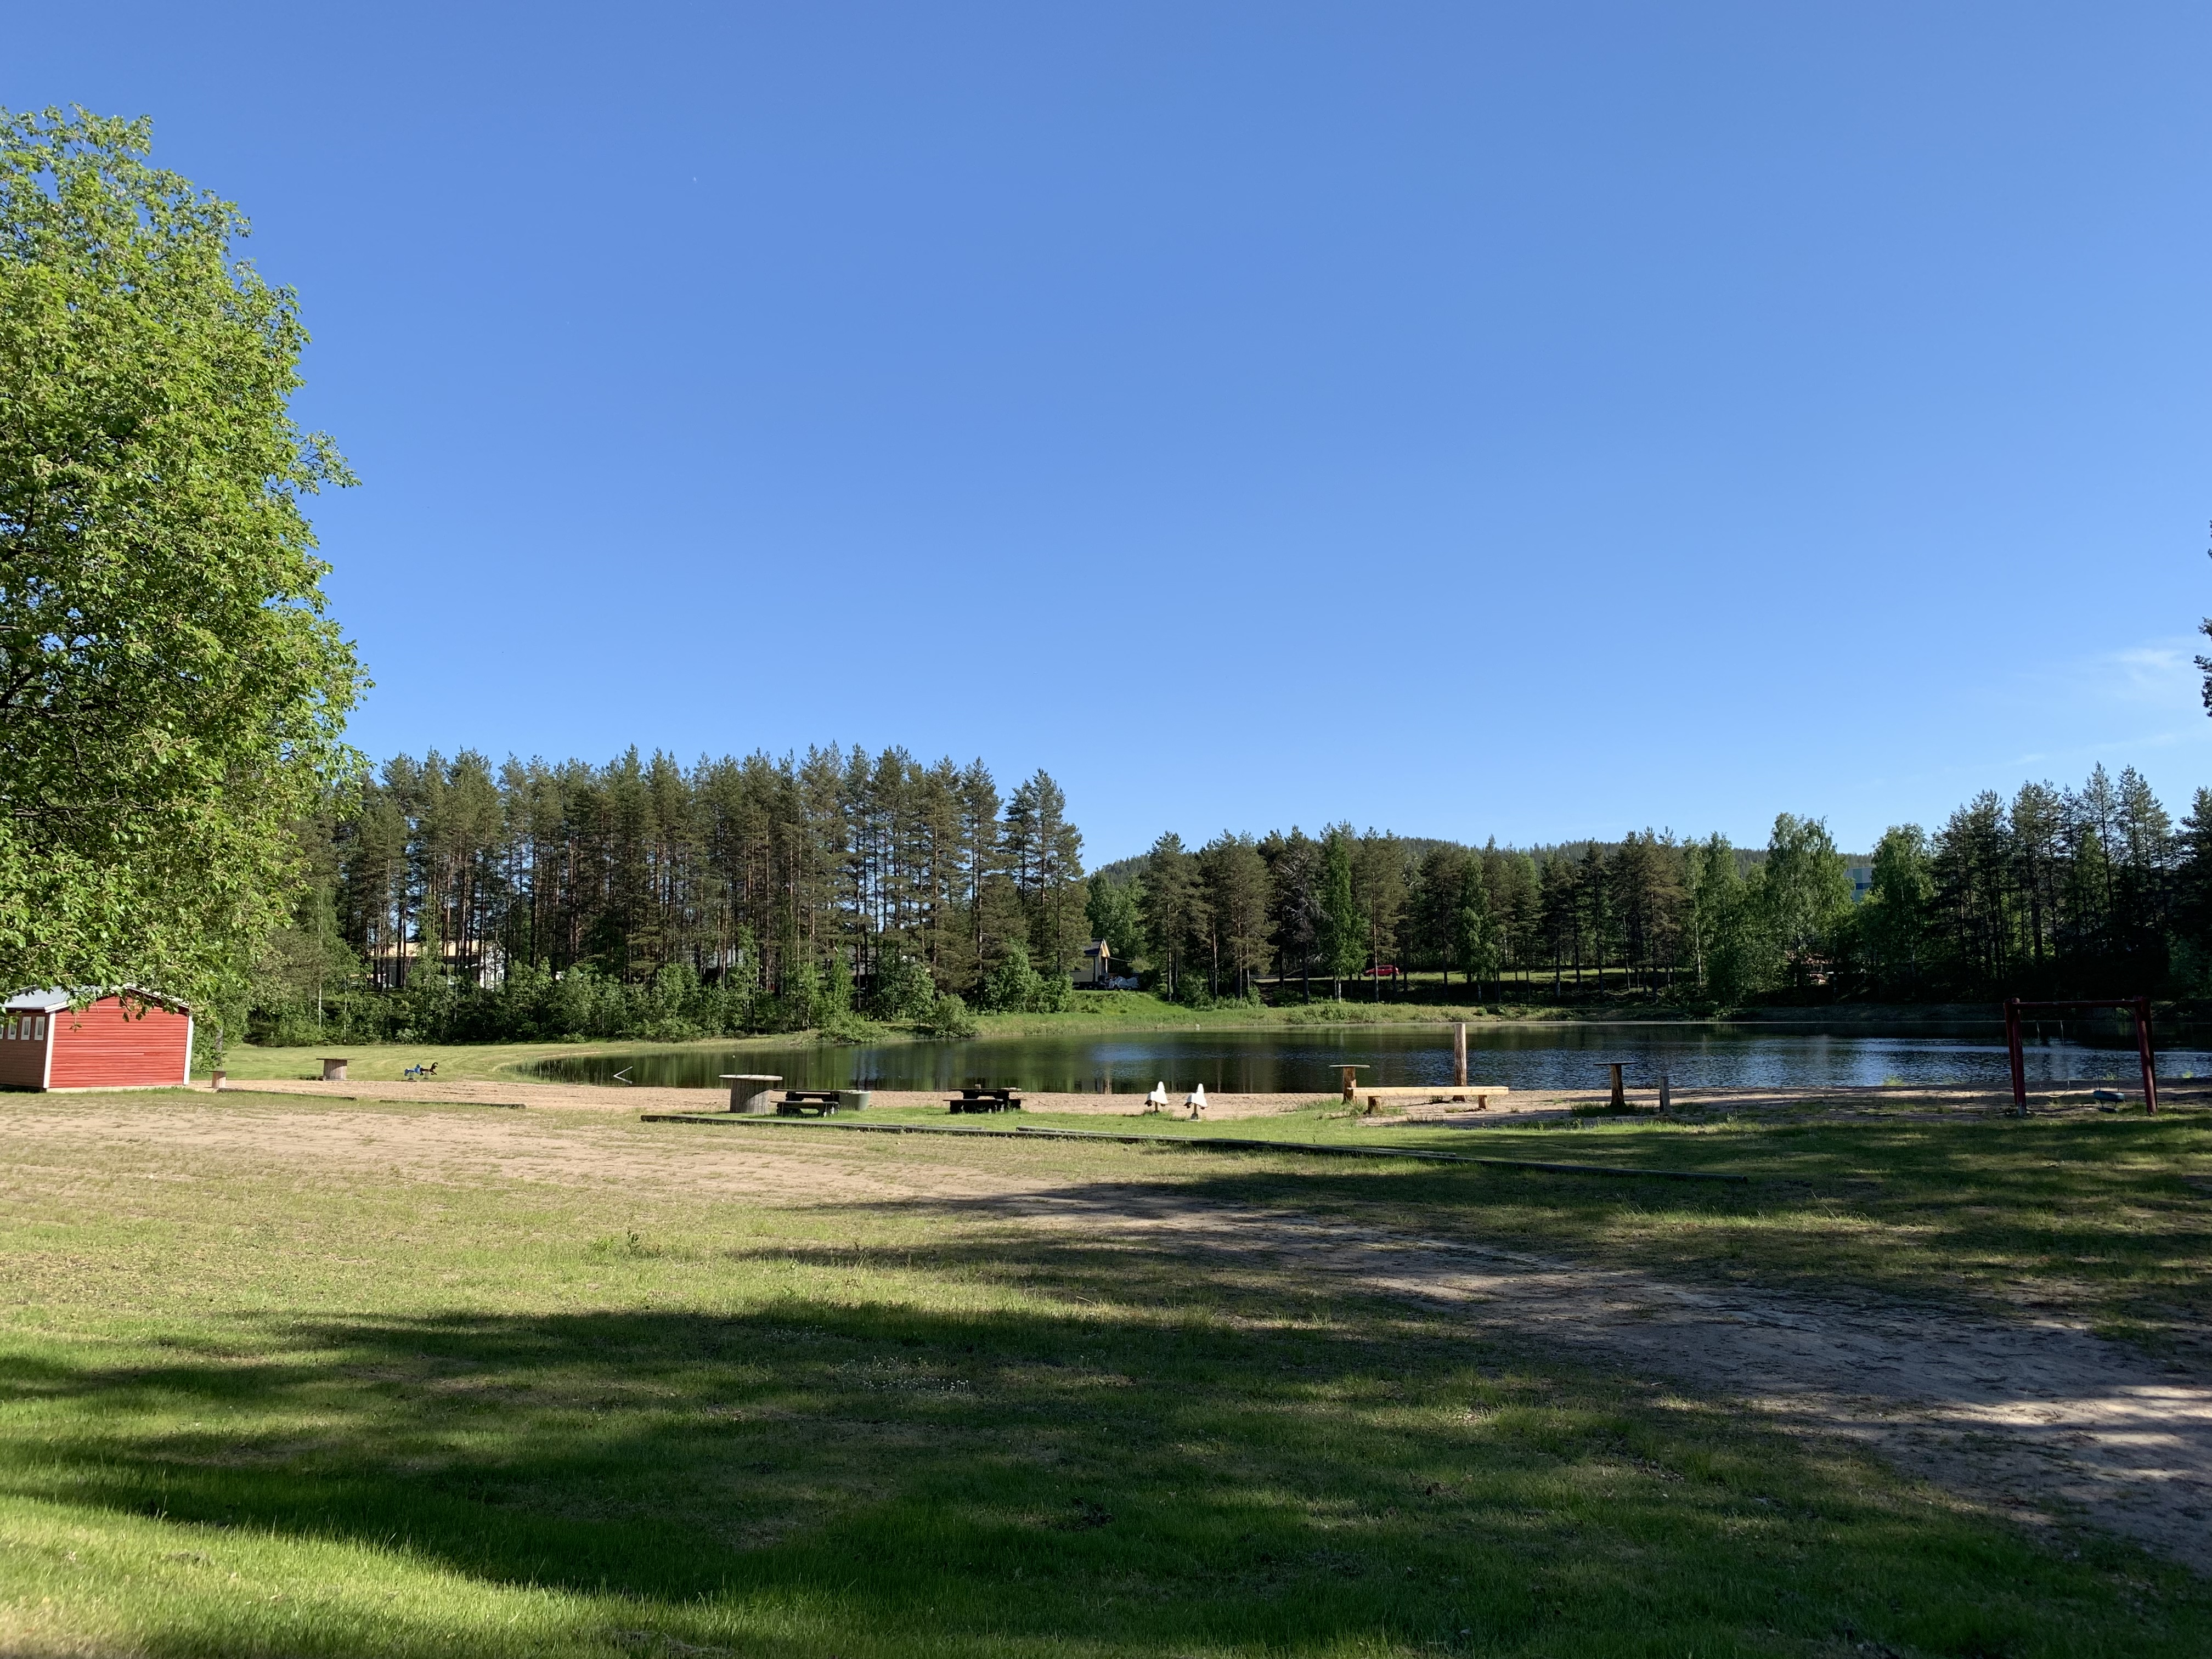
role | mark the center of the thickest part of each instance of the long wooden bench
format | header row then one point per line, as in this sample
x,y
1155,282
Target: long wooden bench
x,y
1480,1093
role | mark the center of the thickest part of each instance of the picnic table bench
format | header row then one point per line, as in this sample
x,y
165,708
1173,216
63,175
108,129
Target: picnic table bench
x,y
1480,1093
986,1100
819,1102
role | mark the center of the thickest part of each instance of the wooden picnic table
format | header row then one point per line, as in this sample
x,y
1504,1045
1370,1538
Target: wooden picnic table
x,y
986,1100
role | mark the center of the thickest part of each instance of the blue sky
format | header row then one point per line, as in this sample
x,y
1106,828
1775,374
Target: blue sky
x,y
1537,421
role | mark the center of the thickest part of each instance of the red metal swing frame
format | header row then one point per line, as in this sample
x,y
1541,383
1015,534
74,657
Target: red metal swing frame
x,y
2015,1008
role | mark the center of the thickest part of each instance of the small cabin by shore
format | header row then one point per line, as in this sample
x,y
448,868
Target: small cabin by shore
x,y
125,1039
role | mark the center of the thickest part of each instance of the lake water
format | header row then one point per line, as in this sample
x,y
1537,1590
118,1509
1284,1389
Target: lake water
x,y
1302,1059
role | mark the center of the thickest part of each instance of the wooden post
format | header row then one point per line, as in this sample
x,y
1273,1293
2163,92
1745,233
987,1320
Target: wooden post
x,y
2019,1061
1619,1094
1350,1082
2143,1048
1459,1054
1666,1095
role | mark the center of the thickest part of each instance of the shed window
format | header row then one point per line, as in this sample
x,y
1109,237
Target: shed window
x,y
40,1033
11,1026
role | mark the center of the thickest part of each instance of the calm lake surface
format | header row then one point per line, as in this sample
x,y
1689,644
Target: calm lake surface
x,y
1302,1059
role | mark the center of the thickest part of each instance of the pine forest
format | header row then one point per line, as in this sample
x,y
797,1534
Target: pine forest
x,y
454,899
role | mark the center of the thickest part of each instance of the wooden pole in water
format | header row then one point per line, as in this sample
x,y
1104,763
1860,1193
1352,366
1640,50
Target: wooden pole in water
x,y
1459,1054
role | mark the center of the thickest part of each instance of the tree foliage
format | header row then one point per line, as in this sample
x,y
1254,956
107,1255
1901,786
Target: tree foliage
x,y
1341,929
172,693
641,898
786,893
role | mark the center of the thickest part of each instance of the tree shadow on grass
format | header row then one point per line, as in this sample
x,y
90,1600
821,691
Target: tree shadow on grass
x,y
2101,1211
1161,1455
1011,1473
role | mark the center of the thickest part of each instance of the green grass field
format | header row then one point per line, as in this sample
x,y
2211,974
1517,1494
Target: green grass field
x,y
2108,1219
290,1377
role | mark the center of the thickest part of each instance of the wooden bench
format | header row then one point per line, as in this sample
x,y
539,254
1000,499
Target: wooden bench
x,y
807,1103
986,1100
1480,1093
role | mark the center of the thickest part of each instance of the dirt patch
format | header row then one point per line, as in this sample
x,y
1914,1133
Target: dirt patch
x,y
465,1149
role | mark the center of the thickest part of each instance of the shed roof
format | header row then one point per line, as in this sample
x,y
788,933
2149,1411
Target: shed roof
x,y
55,998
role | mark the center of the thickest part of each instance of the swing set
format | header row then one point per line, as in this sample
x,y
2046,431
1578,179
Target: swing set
x,y
2014,1008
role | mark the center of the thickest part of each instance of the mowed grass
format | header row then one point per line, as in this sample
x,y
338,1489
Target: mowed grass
x,y
2103,1219
258,1400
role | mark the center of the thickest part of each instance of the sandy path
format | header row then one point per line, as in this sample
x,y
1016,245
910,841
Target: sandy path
x,y
594,1096
1506,1110
2034,1416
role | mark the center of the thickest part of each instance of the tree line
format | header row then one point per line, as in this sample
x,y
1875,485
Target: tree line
x,y
2093,891
455,899
452,898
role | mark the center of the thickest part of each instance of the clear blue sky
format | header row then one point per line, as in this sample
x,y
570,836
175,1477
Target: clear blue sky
x,y
1536,420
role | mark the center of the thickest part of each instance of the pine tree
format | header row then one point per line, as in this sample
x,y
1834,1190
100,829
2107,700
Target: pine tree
x,y
1171,904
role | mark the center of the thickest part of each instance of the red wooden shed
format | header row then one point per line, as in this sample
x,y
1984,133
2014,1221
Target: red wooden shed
x,y
125,1039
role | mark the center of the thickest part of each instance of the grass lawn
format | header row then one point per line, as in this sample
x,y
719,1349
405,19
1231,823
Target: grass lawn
x,y
2104,1218
264,1392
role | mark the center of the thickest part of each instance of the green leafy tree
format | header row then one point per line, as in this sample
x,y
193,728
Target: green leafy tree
x,y
949,1017
902,989
1013,987
1109,909
172,695
1474,950
834,998
1805,889
1894,922
1715,922
803,1002
1341,929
